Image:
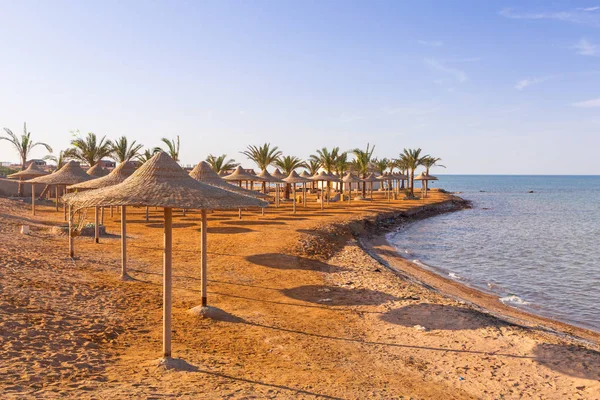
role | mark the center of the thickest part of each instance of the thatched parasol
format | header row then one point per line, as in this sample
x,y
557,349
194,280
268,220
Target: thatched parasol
x,y
70,174
97,171
323,177
424,178
350,178
293,179
271,179
161,182
277,174
387,178
32,171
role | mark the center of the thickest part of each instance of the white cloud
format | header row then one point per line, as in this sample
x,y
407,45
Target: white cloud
x,y
593,103
431,43
523,83
586,48
436,65
577,16
590,9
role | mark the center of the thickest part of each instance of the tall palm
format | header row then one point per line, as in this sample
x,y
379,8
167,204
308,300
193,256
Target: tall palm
x,y
362,163
88,149
412,159
429,162
122,151
147,154
172,148
287,165
327,158
341,167
263,156
60,160
221,163
381,165
24,145
313,168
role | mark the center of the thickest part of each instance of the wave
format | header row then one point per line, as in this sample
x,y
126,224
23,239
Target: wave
x,y
513,298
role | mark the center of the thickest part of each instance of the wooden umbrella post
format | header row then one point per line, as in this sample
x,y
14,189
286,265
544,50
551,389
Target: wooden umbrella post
x,y
71,244
277,195
294,194
101,215
304,194
96,226
56,198
240,213
124,275
204,255
111,211
65,204
147,214
167,281
33,198
322,197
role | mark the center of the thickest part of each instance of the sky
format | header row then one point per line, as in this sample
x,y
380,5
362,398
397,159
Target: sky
x,y
491,87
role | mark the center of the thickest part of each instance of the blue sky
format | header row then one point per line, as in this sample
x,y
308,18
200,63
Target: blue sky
x,y
491,87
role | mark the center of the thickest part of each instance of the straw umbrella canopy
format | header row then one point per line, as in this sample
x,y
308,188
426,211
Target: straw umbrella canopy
x,y
116,176
293,179
32,171
323,177
272,179
350,178
370,178
277,174
203,172
161,182
97,171
424,178
70,174
240,175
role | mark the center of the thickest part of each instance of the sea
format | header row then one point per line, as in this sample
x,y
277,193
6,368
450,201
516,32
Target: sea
x,y
533,241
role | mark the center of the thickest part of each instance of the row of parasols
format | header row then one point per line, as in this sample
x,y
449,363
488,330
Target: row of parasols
x,y
161,182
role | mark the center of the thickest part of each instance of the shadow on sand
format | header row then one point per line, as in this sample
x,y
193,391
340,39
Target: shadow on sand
x,y
175,225
250,223
227,230
287,262
440,317
570,360
338,296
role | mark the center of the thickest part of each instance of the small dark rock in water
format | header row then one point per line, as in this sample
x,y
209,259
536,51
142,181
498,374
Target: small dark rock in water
x,y
531,191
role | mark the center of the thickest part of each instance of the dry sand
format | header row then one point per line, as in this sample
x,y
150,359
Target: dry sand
x,y
307,313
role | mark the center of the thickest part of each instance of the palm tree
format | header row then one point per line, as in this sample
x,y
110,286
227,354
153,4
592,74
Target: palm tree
x,y
60,160
381,166
220,163
403,167
287,165
24,145
122,151
362,163
313,168
172,148
147,154
429,162
263,156
88,149
341,167
327,158
412,159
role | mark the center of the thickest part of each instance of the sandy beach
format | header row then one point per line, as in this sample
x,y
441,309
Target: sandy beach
x,y
314,305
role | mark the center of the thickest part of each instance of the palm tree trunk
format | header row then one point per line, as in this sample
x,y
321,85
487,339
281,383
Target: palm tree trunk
x,y
286,194
364,186
412,181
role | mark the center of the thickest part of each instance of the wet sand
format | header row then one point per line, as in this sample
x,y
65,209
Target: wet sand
x,y
306,313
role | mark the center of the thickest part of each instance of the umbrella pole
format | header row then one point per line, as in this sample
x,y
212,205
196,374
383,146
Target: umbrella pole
x,y
294,194
203,246
147,216
167,282
322,197
65,204
101,215
56,198
96,226
111,211
124,274
33,199
71,244
304,194
240,213
277,195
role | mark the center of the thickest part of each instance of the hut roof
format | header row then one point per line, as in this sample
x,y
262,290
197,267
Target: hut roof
x,y
70,174
323,176
116,176
161,182
370,178
277,174
31,171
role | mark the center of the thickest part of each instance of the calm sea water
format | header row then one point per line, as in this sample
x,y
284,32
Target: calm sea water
x,y
539,251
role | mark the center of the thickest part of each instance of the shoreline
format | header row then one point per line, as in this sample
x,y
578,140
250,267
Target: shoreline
x,y
371,236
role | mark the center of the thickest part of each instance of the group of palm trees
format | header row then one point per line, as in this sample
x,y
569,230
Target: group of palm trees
x,y
332,161
90,149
